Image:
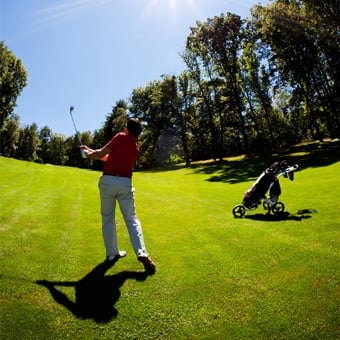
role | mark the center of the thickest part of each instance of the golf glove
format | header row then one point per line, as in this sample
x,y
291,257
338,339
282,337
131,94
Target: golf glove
x,y
83,153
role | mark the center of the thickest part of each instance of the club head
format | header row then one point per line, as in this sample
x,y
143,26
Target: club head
x,y
71,108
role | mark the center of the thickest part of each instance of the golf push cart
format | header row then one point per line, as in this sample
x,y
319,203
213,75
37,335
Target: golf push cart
x,y
267,181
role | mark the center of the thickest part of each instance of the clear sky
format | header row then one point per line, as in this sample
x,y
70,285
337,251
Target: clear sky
x,y
92,53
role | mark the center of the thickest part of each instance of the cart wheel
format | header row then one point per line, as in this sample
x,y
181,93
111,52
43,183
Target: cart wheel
x,y
278,208
239,211
266,206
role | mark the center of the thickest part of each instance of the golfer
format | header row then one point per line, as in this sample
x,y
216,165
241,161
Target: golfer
x,y
120,155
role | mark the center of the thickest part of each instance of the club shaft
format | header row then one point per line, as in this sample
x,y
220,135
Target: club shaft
x,y
74,124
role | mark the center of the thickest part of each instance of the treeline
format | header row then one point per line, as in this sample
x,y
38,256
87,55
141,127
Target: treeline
x,y
249,86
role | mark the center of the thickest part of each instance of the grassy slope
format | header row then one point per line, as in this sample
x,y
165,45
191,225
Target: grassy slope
x,y
217,277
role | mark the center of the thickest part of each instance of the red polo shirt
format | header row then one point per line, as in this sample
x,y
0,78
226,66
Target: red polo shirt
x,y
123,156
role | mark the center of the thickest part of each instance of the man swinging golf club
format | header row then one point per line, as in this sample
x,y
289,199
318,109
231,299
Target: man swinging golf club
x,y
120,155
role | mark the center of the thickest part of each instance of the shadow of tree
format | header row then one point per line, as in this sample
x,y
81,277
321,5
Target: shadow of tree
x,y
249,168
95,294
284,216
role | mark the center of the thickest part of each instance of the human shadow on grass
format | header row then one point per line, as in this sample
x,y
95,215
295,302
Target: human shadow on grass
x,y
95,294
284,216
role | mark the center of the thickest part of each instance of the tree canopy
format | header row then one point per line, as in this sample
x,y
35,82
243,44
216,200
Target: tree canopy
x,y
13,78
249,86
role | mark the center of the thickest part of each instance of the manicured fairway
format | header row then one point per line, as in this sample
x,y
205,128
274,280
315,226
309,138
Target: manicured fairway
x,y
217,277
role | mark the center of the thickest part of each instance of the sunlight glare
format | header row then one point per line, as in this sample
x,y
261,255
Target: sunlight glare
x,y
172,9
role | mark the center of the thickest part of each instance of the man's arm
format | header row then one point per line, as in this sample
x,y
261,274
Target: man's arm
x,y
99,154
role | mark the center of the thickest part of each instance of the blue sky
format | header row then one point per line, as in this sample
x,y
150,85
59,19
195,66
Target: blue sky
x,y
92,53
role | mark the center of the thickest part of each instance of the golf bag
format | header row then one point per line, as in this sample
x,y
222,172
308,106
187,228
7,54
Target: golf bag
x,y
268,181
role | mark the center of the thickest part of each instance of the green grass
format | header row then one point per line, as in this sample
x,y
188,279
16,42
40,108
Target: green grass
x,y
217,277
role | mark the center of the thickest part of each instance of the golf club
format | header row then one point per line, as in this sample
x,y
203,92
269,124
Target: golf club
x,y
83,152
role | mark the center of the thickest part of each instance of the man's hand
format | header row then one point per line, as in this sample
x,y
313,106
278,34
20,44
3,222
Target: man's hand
x,y
84,150
100,154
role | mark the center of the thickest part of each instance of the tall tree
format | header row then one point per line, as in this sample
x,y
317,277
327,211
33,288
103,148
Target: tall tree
x,y
10,132
322,19
256,87
147,104
58,149
206,126
45,135
13,78
115,121
296,52
211,55
185,113
28,144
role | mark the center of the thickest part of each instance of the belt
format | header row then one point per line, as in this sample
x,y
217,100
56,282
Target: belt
x,y
115,175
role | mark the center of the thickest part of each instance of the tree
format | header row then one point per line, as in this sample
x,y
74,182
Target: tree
x,y
58,149
322,20
73,156
256,87
302,52
28,144
10,136
13,78
45,136
185,112
115,121
211,56
148,104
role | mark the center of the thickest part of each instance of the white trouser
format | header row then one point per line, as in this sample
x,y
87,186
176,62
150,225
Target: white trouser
x,y
112,189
